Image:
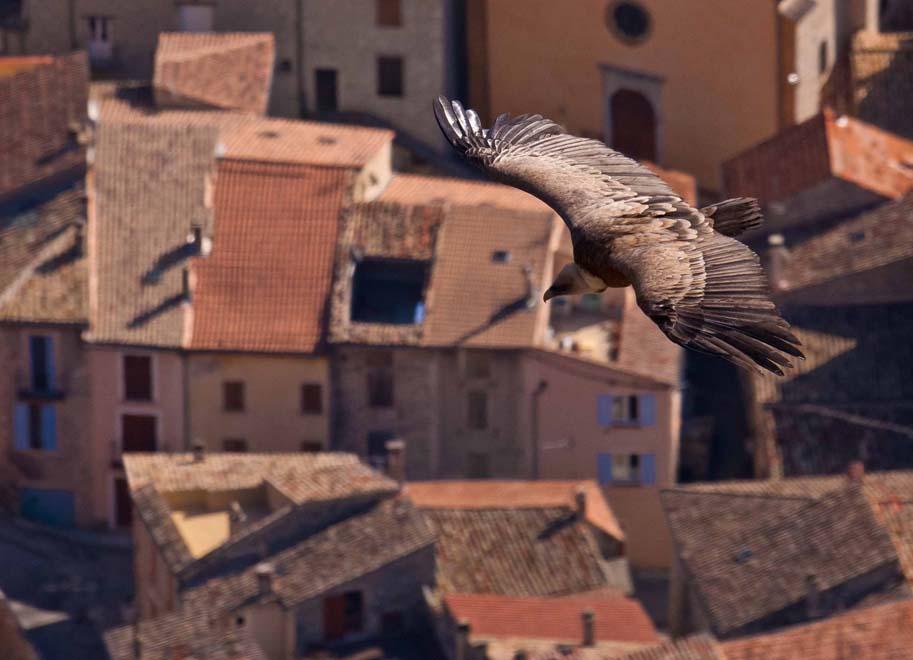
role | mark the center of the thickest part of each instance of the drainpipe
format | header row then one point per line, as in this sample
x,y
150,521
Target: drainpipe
x,y
534,425
299,54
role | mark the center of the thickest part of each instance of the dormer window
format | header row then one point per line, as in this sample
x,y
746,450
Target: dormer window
x,y
389,291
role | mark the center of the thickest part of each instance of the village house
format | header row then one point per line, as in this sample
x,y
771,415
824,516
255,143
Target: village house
x,y
755,556
255,540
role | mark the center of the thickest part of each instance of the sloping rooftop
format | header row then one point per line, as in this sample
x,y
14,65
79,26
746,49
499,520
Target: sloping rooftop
x,y
749,547
882,73
418,190
542,551
495,494
822,148
616,618
696,647
874,633
302,477
42,263
186,634
143,216
356,546
228,70
40,106
266,283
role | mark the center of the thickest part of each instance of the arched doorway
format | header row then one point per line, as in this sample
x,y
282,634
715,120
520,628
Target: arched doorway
x,y
633,125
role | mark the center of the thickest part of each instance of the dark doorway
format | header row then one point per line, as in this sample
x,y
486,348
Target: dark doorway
x,y
123,505
327,94
138,433
343,615
633,125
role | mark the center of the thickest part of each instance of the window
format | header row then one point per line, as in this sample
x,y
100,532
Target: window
x,y
639,469
377,448
477,365
388,13
195,18
343,615
478,409
387,291
234,445
477,466
138,377
36,426
626,410
500,256
41,362
138,433
233,396
380,388
629,21
326,87
633,124
100,40
311,399
822,57
390,76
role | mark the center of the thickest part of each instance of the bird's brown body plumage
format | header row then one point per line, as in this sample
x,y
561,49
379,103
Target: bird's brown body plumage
x,y
704,289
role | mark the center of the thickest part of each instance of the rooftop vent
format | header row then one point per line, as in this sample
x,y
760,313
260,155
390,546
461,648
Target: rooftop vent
x,y
857,236
743,555
500,256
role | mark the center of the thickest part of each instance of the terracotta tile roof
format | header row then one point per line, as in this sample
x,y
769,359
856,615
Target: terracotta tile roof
x,y
420,189
875,633
144,213
266,282
516,552
155,513
12,638
39,106
748,547
871,240
12,65
470,298
229,70
189,633
356,546
301,477
42,267
616,618
496,494
882,78
817,150
245,136
696,647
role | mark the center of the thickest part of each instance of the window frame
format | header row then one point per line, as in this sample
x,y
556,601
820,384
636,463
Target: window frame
x,y
316,395
152,377
229,403
477,403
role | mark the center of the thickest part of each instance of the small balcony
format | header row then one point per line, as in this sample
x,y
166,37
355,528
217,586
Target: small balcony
x,y
38,389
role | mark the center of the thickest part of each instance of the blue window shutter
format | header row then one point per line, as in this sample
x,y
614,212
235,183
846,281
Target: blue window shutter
x,y
604,468
48,428
604,409
647,409
49,362
21,440
648,469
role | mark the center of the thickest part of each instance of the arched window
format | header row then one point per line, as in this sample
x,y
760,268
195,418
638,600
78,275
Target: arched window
x,y
633,125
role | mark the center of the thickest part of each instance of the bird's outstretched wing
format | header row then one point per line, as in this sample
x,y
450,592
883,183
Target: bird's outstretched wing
x,y
706,291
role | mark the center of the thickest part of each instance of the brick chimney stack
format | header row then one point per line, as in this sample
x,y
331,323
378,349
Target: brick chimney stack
x,y
589,627
396,460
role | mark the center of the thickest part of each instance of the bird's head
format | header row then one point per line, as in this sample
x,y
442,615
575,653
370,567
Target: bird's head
x,y
572,280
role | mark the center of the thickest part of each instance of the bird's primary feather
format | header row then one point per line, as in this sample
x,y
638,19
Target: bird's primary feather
x,y
704,289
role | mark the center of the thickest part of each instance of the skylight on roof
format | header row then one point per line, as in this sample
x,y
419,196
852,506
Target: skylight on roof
x,y
500,256
857,236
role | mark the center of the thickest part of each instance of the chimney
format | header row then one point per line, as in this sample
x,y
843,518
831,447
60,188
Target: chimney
x,y
580,500
199,454
266,575
462,640
777,257
396,460
855,472
185,283
195,239
812,596
589,627
236,514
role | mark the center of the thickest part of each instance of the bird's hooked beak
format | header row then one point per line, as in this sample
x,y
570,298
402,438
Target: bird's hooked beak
x,y
551,292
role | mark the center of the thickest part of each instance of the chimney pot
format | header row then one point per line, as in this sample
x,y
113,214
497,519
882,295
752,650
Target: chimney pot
x,y
266,574
199,454
855,472
396,460
589,627
580,500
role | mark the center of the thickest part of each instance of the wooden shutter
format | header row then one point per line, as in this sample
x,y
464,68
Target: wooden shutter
x,y
604,409
48,428
21,440
604,468
648,469
647,409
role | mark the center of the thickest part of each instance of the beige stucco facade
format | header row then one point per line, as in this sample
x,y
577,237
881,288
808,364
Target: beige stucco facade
x,y
272,419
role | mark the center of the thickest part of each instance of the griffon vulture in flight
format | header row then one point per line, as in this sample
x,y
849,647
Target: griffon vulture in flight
x,y
704,289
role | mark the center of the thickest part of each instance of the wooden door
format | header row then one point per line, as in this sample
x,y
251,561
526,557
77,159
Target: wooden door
x,y
633,125
123,505
334,617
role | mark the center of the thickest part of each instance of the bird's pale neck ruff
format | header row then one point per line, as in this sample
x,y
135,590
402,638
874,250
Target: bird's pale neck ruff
x,y
596,284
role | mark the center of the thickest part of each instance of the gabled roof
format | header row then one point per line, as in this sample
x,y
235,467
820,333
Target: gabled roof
x,y
43,268
616,618
498,494
696,647
356,546
189,633
228,70
42,104
873,633
822,148
749,547
265,284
